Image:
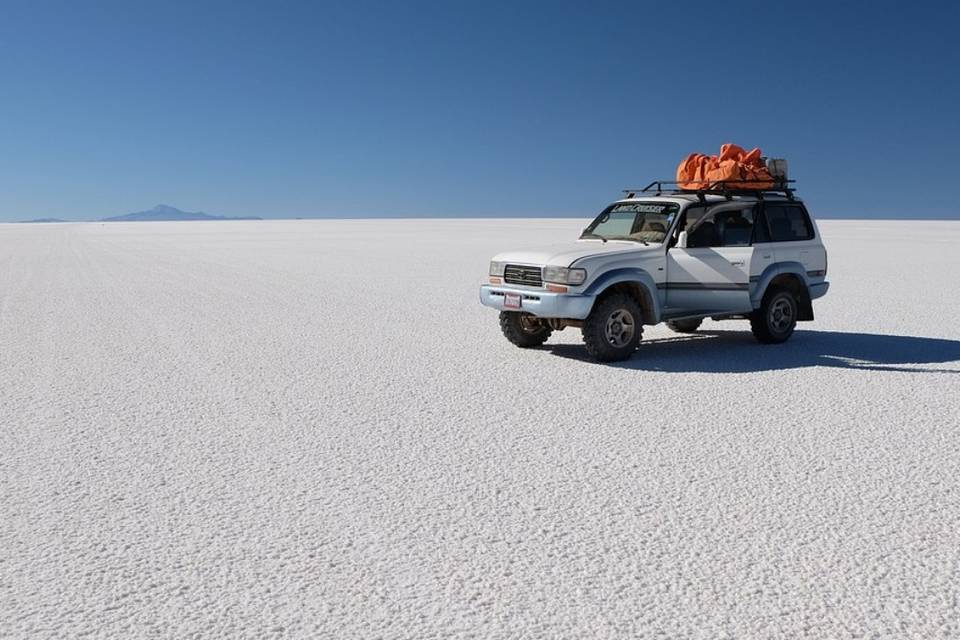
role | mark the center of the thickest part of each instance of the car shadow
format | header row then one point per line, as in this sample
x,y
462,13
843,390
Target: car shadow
x,y
739,352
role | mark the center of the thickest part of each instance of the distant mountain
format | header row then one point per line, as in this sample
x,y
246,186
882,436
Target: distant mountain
x,y
163,212
42,220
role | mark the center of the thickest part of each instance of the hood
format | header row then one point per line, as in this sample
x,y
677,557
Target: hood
x,y
563,255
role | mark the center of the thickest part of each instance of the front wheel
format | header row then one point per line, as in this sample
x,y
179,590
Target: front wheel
x,y
776,318
612,330
523,329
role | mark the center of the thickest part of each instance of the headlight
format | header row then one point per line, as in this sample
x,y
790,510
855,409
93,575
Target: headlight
x,y
496,268
563,275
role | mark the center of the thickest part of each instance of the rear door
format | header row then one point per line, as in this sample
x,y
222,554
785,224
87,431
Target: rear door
x,y
712,274
792,235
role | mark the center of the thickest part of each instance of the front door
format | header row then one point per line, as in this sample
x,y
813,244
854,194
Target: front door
x,y
712,274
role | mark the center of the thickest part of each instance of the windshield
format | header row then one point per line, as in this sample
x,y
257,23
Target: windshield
x,y
637,221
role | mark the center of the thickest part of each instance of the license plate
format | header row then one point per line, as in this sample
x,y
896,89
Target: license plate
x,y
511,300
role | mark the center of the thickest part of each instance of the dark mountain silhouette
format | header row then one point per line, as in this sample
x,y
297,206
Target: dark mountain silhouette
x,y
42,220
163,212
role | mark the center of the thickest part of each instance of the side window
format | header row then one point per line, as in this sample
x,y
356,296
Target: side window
x,y
788,223
734,228
719,229
700,228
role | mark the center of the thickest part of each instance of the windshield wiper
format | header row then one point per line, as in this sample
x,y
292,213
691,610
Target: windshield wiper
x,y
630,239
592,235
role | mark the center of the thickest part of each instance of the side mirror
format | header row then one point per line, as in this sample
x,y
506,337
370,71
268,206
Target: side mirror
x,y
682,240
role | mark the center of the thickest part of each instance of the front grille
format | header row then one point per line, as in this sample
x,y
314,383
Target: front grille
x,y
519,274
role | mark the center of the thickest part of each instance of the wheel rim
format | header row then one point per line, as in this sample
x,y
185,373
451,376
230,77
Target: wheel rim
x,y
620,328
780,316
528,324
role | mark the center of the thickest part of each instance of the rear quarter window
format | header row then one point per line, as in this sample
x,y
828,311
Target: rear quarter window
x,y
788,223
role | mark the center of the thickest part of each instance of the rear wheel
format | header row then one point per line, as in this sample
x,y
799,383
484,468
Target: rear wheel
x,y
613,329
523,329
776,318
684,326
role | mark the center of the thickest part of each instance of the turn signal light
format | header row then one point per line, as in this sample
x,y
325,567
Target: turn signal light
x,y
495,280
556,288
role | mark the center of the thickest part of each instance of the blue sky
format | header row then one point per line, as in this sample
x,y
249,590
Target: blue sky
x,y
283,109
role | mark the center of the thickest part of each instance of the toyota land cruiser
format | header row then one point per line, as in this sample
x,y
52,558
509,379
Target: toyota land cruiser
x,y
673,256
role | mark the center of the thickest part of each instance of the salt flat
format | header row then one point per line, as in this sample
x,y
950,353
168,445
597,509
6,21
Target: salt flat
x,y
313,429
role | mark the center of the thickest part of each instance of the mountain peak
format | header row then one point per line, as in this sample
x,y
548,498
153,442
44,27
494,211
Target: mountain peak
x,y
165,212
165,208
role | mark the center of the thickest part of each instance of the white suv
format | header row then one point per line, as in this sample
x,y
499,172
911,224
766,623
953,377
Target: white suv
x,y
666,256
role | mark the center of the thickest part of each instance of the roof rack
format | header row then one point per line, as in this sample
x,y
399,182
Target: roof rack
x,y
725,188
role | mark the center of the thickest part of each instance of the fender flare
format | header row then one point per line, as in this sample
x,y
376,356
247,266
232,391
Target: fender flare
x,y
759,288
634,276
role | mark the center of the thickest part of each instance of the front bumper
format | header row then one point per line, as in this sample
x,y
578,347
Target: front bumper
x,y
542,304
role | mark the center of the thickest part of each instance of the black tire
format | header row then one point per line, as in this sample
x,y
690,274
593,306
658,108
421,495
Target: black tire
x,y
613,329
776,318
523,329
685,326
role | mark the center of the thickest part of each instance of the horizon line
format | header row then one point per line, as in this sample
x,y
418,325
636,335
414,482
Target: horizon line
x,y
47,220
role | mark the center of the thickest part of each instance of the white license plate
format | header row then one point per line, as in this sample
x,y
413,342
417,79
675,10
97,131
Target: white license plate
x,y
511,300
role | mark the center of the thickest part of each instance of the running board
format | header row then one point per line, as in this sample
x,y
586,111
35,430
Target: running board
x,y
686,314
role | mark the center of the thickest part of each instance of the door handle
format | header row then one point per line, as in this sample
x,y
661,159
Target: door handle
x,y
737,263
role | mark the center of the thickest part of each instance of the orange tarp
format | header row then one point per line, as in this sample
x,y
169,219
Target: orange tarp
x,y
735,165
